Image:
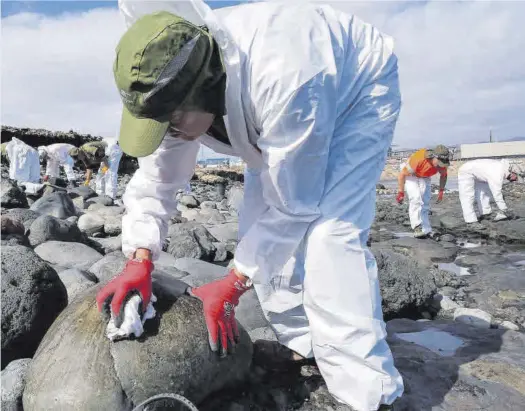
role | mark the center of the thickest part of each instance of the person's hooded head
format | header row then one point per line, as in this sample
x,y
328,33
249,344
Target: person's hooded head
x,y
170,77
73,153
514,172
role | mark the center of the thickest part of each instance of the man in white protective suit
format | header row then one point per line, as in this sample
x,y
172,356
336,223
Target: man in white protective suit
x,y
308,97
107,183
104,155
477,181
414,177
24,163
56,156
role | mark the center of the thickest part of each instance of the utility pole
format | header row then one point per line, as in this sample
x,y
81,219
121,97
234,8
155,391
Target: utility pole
x,y
490,136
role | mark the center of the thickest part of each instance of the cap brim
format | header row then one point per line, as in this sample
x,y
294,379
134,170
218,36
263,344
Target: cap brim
x,y
140,137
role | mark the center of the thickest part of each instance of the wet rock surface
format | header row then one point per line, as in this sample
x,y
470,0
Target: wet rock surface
x,y
172,356
23,215
77,281
32,297
73,368
11,195
445,365
68,254
13,383
49,228
467,367
406,285
57,204
12,226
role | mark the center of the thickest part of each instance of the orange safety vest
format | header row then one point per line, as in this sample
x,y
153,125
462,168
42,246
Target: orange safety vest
x,y
421,166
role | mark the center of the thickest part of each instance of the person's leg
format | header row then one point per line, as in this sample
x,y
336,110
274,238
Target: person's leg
x,y
415,202
100,183
52,169
467,194
68,169
282,300
484,198
426,193
341,287
111,177
34,176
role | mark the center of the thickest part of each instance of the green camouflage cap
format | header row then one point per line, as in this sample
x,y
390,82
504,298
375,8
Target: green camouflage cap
x,y
163,63
442,153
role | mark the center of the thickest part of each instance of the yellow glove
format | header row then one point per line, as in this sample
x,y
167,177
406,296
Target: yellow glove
x,y
86,183
104,169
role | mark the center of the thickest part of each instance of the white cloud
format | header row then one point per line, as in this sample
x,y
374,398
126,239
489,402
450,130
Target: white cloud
x,y
461,68
57,72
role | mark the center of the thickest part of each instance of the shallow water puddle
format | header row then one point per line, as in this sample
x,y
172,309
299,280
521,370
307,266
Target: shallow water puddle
x,y
440,342
403,234
454,269
516,259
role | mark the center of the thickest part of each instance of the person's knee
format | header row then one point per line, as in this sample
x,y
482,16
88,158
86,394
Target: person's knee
x,y
416,202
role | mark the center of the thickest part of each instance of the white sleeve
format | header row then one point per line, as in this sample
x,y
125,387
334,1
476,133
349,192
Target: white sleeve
x,y
495,183
9,150
150,195
295,142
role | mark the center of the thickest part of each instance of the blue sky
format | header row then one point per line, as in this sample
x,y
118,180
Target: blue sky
x,y
459,80
54,8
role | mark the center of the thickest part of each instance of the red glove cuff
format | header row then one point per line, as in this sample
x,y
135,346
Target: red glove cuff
x,y
135,277
147,263
237,287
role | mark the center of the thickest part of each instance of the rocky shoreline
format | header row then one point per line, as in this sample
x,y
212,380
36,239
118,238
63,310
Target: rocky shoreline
x,y
455,307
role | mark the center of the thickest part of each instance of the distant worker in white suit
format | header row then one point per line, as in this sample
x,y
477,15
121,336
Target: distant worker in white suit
x,y
104,155
309,97
24,163
107,183
56,156
414,177
477,181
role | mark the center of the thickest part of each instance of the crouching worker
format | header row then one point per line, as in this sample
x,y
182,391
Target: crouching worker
x,y
104,155
56,156
477,181
415,179
313,125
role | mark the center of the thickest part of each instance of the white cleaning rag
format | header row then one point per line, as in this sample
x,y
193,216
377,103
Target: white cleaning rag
x,y
132,323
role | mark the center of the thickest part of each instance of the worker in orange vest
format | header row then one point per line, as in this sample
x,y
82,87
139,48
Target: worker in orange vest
x,y
415,178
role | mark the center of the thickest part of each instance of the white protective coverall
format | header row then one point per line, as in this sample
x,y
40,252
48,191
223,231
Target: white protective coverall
x,y
58,155
477,180
419,191
311,108
24,162
108,183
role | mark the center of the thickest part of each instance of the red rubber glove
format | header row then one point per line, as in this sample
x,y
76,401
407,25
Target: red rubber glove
x,y
134,278
440,196
219,299
400,197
